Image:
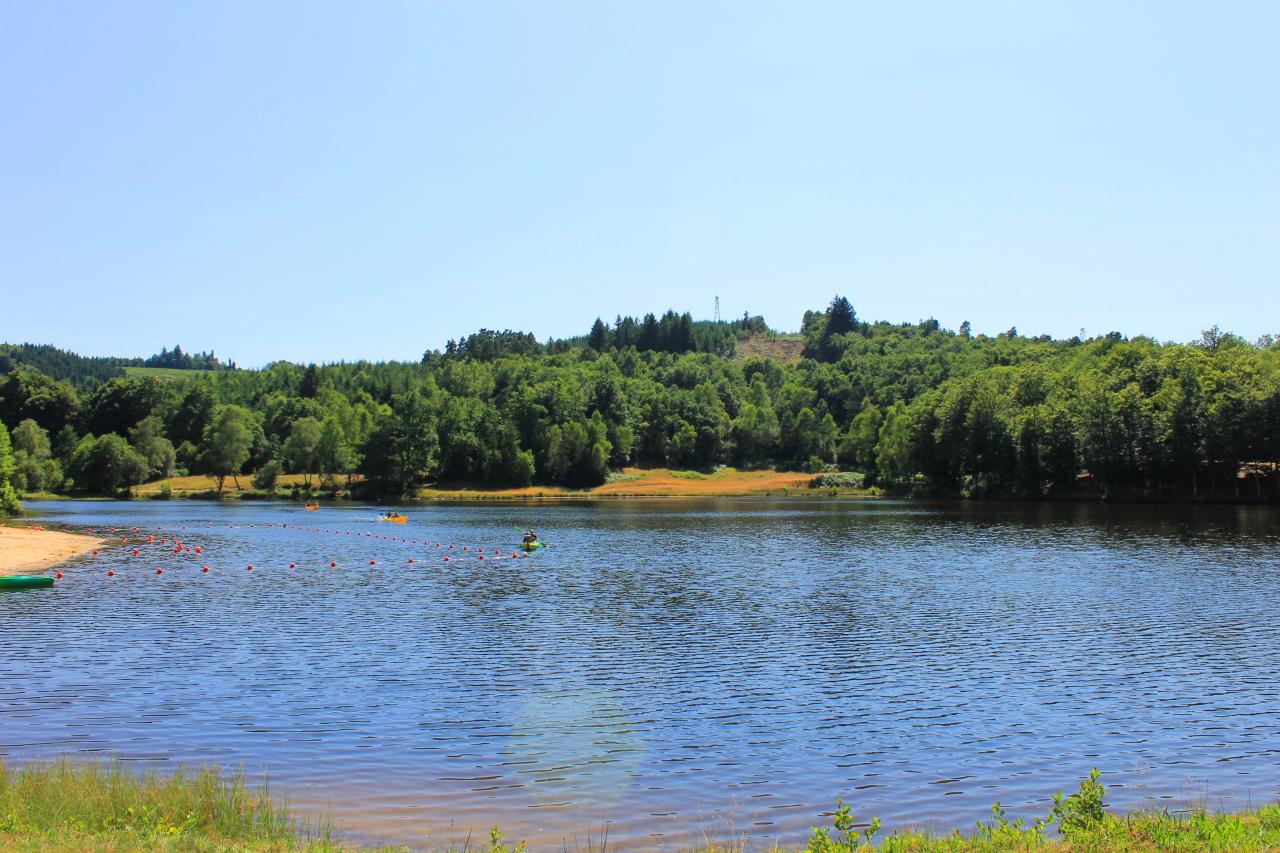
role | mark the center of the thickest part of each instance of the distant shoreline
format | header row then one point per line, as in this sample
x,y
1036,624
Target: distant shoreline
x,y
638,484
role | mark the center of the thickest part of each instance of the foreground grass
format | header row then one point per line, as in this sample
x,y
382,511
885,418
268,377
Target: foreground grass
x,y
69,806
105,807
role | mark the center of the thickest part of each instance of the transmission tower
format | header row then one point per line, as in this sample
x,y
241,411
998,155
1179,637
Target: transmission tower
x,y
717,309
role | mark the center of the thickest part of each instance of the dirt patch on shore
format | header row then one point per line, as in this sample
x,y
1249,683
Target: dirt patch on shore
x,y
24,550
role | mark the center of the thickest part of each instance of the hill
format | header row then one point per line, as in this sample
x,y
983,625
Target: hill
x,y
909,407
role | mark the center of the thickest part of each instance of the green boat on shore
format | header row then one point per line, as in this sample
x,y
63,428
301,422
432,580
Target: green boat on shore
x,y
24,582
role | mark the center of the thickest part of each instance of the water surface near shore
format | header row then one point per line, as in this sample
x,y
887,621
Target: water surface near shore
x,y
670,670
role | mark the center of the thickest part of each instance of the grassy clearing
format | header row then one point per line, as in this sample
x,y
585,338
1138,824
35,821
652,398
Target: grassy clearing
x,y
645,483
778,346
165,372
628,483
105,807
204,486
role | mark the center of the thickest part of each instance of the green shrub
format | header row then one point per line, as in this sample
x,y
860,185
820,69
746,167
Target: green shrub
x,y
264,479
1082,811
842,480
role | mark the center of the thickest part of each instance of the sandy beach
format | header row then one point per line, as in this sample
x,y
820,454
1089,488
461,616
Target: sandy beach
x,y
28,550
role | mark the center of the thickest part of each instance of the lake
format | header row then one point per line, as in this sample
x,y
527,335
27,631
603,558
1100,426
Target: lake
x,y
665,671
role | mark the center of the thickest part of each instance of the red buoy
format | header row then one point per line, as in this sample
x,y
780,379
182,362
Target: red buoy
x,y
373,562
59,575
95,552
332,564
159,571
197,549
205,569
249,567
292,566
446,559
110,573
135,552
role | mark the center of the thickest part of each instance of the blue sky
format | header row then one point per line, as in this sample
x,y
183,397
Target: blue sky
x,y
325,181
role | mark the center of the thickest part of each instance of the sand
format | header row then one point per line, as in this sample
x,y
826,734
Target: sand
x,y
29,550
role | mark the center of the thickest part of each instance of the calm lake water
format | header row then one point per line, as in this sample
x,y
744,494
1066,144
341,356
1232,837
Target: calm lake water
x,y
667,670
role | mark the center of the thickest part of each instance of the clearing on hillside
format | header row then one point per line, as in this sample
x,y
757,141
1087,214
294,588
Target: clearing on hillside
x,y
779,346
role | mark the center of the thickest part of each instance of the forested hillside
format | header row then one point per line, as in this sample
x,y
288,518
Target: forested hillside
x,y
915,407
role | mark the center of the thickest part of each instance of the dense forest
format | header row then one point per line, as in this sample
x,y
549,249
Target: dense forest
x,y
914,407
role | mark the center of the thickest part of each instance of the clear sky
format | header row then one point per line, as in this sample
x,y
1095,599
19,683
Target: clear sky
x,y
325,181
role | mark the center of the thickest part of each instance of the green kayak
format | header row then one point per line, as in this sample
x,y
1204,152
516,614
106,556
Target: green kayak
x,y
24,582
531,546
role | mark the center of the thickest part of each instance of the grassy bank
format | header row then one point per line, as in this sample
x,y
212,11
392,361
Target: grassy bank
x,y
106,807
67,806
628,483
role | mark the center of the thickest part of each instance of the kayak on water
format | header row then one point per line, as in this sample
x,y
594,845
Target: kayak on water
x,y
393,518
24,582
532,546
311,506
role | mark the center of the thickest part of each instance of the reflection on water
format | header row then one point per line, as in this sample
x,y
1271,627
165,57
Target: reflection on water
x,y
665,670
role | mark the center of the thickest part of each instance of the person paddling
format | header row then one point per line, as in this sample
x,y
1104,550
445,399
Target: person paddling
x,y
530,538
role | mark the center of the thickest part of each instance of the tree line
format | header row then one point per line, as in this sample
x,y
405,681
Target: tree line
x,y
914,407
86,372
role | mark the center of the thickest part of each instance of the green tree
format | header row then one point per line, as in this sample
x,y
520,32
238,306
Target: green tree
x,y
27,393
893,449
684,443
335,455
227,443
29,436
192,414
598,340
858,447
828,438
147,438
302,448
9,504
416,439
107,465
264,479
